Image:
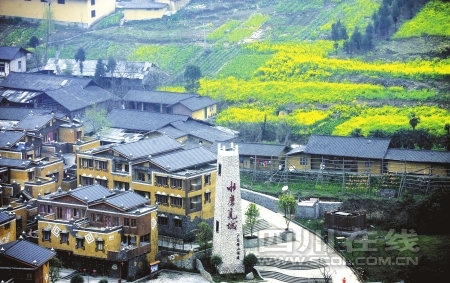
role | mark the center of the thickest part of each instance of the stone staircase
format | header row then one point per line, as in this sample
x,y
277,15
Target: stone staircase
x,y
283,264
261,225
69,276
289,279
288,265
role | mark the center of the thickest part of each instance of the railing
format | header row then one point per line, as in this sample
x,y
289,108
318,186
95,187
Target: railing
x,y
129,252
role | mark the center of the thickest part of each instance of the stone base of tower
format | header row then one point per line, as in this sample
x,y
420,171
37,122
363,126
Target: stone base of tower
x,y
230,268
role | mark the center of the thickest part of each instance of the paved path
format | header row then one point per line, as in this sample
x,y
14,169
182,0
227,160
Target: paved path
x,y
307,248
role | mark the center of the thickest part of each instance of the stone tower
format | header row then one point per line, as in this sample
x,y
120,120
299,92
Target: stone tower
x,y
227,234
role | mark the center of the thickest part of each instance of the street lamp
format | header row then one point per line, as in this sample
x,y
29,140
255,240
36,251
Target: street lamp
x,y
48,28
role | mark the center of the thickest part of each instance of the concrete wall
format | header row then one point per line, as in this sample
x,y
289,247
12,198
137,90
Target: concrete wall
x,y
304,211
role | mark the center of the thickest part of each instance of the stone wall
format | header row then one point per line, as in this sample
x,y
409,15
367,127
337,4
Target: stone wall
x,y
307,210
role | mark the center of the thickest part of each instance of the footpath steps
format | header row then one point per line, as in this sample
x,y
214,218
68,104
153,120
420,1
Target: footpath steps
x,y
261,225
288,278
291,265
69,276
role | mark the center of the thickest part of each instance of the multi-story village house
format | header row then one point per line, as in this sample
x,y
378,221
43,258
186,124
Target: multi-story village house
x,y
181,181
113,232
84,13
12,59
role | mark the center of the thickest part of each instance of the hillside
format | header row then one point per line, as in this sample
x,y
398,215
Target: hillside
x,y
276,70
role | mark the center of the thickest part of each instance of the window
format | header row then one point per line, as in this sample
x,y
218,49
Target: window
x,y
126,222
145,238
368,163
59,213
19,65
208,179
176,201
93,14
177,222
101,165
175,183
75,213
161,181
219,170
30,175
161,199
87,163
140,176
92,2
121,185
61,1
303,160
64,237
217,226
162,220
46,235
99,218
102,182
207,196
116,221
86,181
99,244
2,67
80,243
195,202
133,222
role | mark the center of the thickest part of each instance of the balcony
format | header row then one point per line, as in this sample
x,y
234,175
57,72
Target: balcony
x,y
195,187
129,252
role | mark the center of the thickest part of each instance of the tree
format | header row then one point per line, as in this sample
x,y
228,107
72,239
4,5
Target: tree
x,y
96,119
204,235
252,217
80,57
216,260
288,205
192,75
100,71
77,278
189,237
34,42
414,120
356,133
250,261
55,268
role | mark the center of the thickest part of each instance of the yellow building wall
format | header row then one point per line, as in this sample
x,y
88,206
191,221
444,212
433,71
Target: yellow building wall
x,y
199,114
73,11
86,145
50,169
112,240
416,168
11,154
20,176
142,14
8,234
374,168
70,134
294,160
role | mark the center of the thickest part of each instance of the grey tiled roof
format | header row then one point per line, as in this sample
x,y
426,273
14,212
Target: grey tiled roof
x,y
14,163
9,52
198,102
10,137
5,217
254,149
19,95
18,113
91,193
162,97
184,159
76,97
142,120
172,132
347,146
146,147
27,252
126,200
295,150
34,122
40,82
431,156
202,130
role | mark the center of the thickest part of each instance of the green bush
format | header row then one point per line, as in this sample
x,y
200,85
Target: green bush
x,y
103,281
77,279
250,260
